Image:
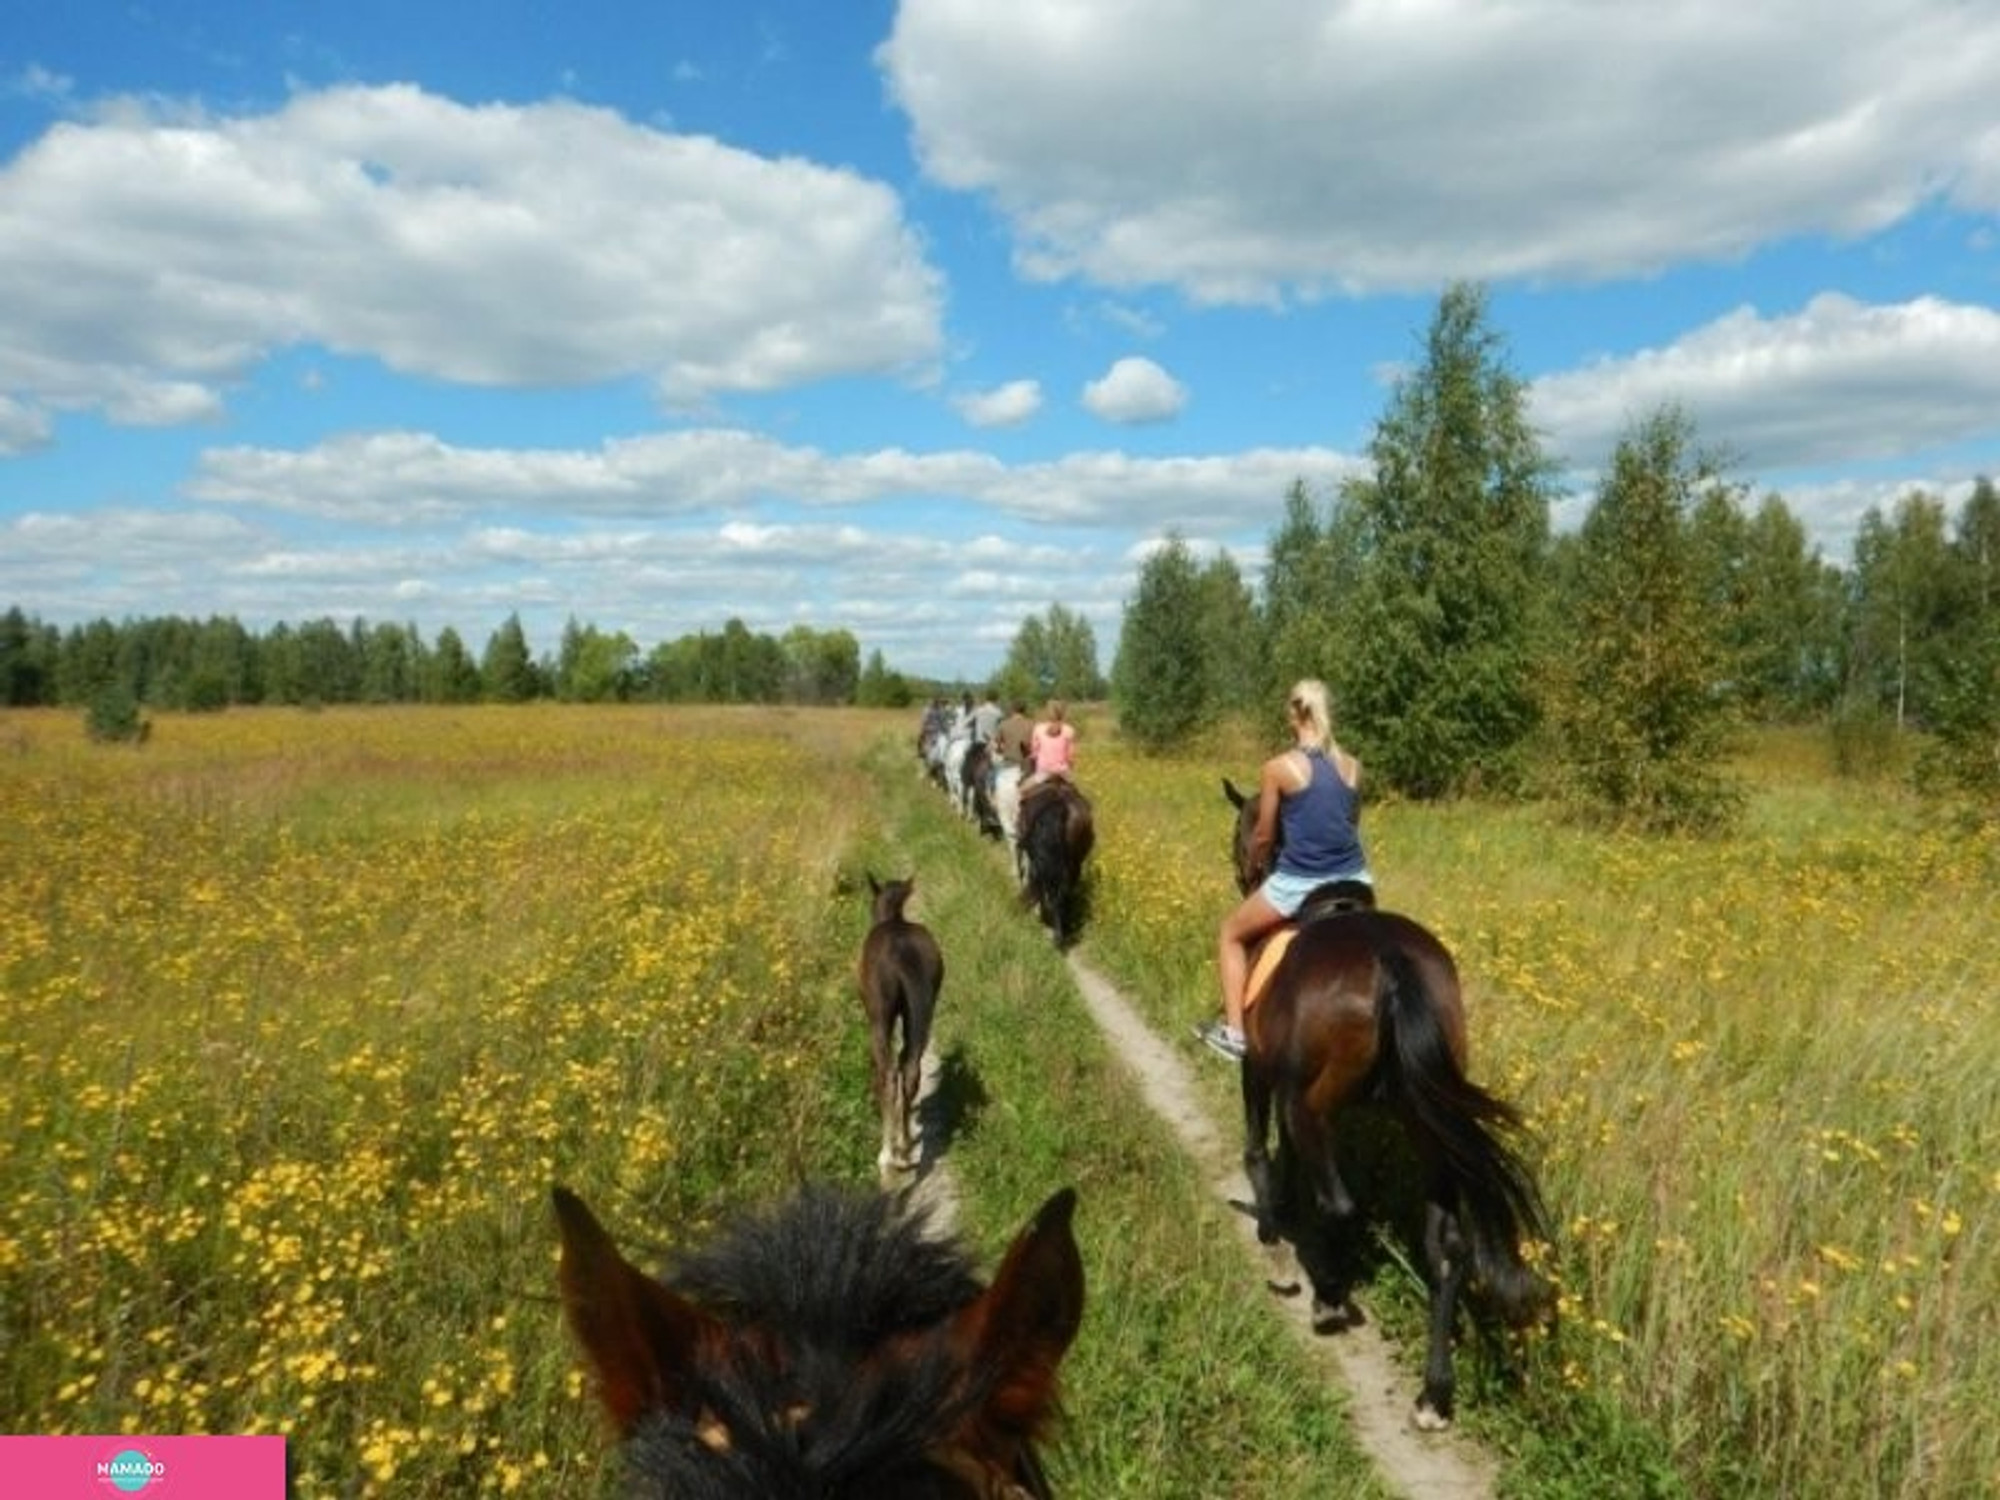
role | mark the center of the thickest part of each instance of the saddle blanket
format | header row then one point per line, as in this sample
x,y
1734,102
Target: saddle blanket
x,y
1265,963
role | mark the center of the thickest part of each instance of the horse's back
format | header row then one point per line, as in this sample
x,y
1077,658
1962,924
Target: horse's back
x,y
1058,804
900,959
1325,994
1379,933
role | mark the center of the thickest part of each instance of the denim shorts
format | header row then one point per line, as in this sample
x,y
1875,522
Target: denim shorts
x,y
1287,892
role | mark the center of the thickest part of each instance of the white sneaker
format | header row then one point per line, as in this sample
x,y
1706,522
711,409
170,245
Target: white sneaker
x,y
1223,1039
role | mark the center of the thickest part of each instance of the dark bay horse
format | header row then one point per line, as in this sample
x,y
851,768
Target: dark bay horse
x,y
1364,1012
901,975
829,1349
1056,837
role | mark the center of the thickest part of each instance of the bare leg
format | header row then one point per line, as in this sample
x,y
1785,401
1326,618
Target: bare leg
x,y
1251,920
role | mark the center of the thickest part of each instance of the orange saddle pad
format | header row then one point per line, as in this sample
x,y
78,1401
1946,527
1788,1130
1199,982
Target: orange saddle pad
x,y
1265,964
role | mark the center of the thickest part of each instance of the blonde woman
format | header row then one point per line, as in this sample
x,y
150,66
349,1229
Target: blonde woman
x,y
1312,794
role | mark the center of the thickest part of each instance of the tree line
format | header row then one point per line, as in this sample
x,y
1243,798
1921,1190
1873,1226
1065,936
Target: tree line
x,y
1469,649
197,665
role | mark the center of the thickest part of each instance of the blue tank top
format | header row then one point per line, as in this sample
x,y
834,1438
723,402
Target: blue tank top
x,y
1317,822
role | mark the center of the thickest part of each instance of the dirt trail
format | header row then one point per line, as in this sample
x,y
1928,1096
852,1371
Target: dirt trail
x,y
1426,1466
932,1187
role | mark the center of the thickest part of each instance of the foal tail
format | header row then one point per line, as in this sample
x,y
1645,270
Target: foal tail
x,y
1460,1125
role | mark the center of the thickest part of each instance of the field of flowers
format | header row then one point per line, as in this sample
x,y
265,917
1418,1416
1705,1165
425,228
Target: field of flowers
x,y
1764,1079
303,1013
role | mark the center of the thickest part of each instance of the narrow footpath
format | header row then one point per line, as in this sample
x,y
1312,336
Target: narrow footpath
x,y
1422,1465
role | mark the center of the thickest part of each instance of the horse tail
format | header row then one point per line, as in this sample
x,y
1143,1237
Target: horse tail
x,y
1079,831
1462,1125
919,978
1042,840
1045,843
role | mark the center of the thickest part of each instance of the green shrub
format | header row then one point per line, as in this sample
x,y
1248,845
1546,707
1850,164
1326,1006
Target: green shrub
x,y
113,717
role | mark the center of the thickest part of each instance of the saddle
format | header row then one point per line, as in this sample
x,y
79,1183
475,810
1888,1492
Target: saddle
x,y
1335,898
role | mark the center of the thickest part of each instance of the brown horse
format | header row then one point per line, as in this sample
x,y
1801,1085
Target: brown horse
x,y
832,1348
902,972
1364,1010
1056,836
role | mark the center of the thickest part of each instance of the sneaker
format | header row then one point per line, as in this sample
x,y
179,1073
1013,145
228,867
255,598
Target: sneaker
x,y
1222,1038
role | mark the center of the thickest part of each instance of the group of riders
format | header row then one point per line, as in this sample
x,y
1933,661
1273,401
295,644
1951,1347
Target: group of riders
x,y
1305,823
993,761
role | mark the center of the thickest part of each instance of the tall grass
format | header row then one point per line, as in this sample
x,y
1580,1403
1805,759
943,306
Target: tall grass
x,y
303,1015
1762,1071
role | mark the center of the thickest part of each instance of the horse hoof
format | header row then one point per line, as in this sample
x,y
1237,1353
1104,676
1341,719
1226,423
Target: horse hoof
x,y
1331,1317
1427,1418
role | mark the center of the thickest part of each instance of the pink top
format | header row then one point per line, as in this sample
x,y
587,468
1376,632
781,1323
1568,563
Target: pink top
x,y
1053,748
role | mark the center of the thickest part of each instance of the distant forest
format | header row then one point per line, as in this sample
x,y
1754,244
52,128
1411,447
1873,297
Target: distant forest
x,y
1469,648
199,665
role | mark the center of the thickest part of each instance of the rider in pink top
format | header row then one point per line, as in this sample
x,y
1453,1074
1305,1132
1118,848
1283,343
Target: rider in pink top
x,y
1052,747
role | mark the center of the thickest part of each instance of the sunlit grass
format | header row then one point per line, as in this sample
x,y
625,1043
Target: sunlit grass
x,y
304,1013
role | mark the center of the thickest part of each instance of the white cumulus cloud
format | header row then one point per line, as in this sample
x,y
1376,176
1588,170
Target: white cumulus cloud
x,y
149,258
1267,149
1135,390
1008,405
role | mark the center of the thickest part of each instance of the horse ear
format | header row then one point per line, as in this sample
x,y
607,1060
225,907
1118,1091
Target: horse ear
x,y
638,1335
874,885
1022,1325
1236,798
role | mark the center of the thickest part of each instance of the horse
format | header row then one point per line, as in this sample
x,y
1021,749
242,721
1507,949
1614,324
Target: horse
x,y
901,973
832,1347
976,779
930,749
1056,837
1364,1011
957,745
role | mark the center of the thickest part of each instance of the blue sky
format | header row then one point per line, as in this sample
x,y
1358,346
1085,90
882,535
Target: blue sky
x,y
916,318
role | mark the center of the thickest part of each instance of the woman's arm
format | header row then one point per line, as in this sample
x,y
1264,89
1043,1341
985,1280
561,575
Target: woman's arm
x,y
1271,788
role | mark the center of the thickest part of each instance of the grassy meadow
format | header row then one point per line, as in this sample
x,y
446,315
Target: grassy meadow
x,y
1763,1075
304,1012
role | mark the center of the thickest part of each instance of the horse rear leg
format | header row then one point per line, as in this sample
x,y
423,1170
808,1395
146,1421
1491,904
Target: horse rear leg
x,y
886,1080
909,1074
1264,1189
1450,1262
1311,1134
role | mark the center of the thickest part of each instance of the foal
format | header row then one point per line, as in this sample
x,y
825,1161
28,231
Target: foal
x,y
901,974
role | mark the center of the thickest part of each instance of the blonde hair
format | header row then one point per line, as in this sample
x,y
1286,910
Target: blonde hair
x,y
1308,706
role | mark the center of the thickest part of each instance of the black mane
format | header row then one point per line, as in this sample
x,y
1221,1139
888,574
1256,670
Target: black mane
x,y
840,1269
820,1281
